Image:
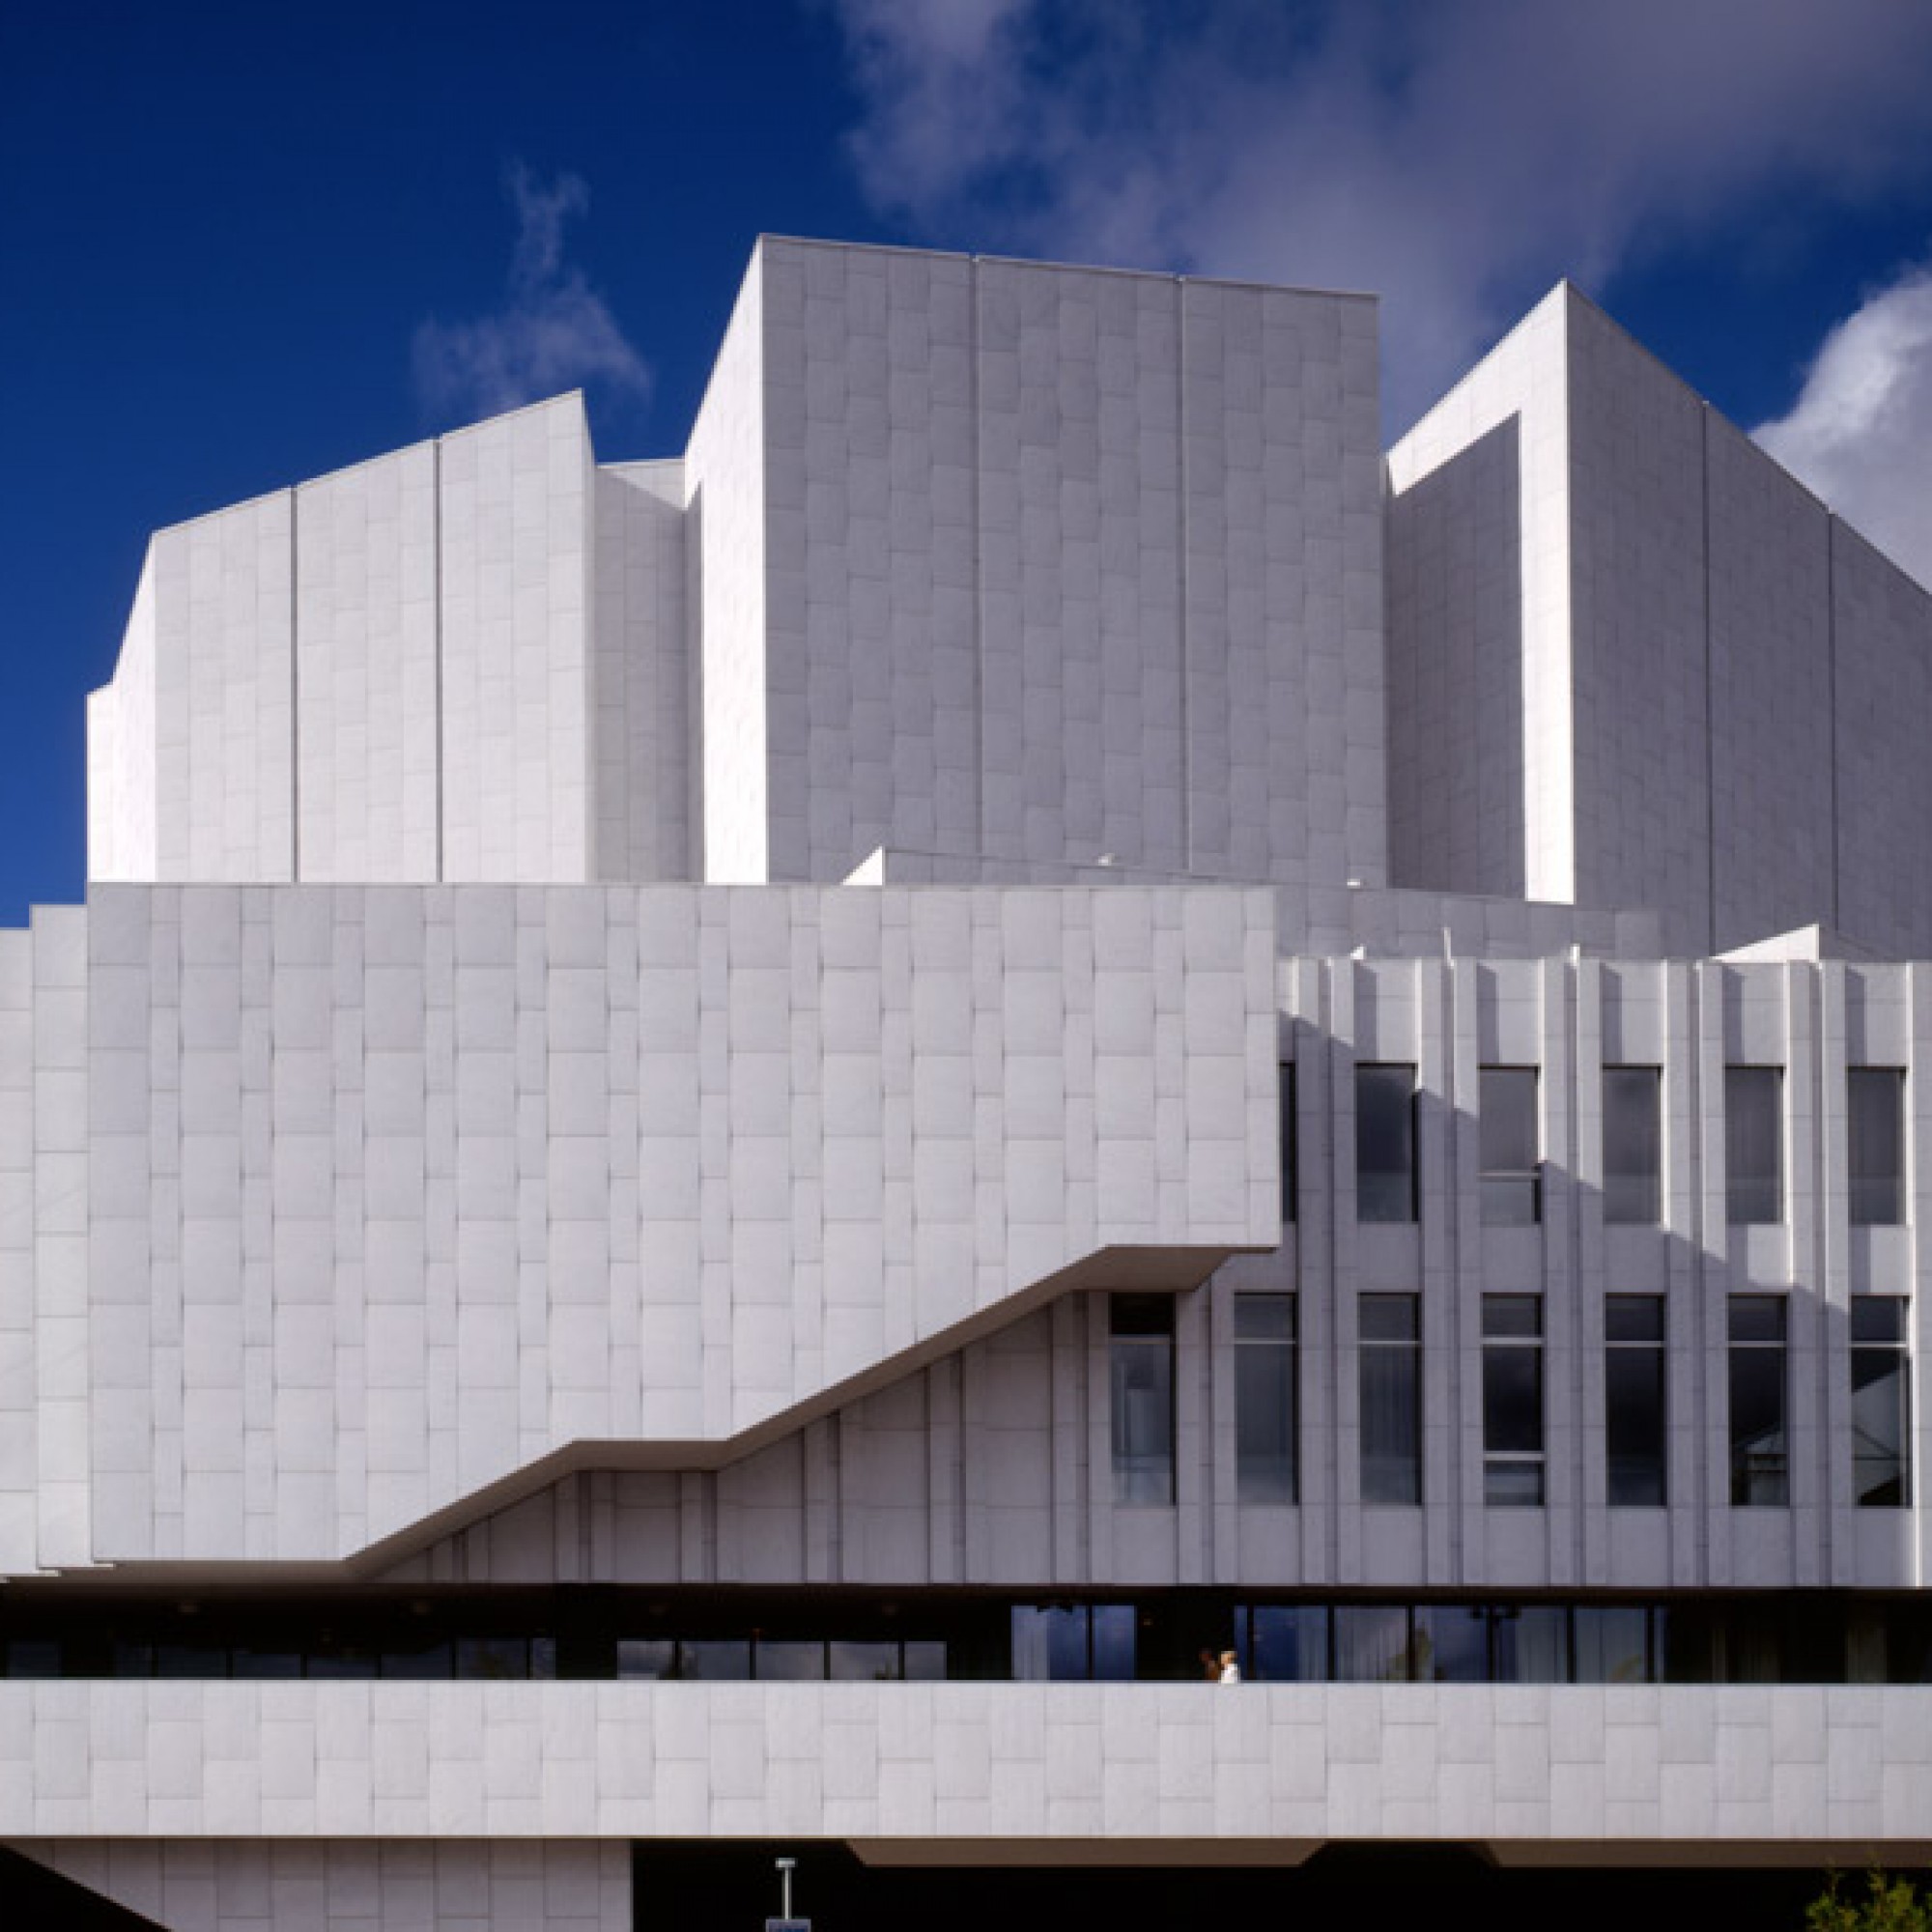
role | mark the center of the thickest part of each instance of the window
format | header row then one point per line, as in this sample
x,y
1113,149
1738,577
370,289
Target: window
x,y
1513,1401
1142,1372
1760,1472
1265,1386
1881,1403
1288,1178
1632,1145
1875,1137
1753,1161
1633,1412
1512,1170
1080,1642
1385,1143
1391,1392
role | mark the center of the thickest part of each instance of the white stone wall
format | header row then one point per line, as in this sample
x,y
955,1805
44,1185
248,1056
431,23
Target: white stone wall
x,y
223,716
337,1884
1524,380
1829,1772
992,1467
1773,814
1458,775
728,590
515,560
644,724
333,1207
1717,680
367,690
1881,669
123,747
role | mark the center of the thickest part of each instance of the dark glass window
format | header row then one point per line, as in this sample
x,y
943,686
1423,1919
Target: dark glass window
x,y
1512,1176
1290,1179
1612,1643
1287,1643
1881,1403
1078,1642
1385,1143
1390,1350
1754,1144
1632,1145
1760,1463
1875,1143
1264,1390
1532,1644
1141,1369
1513,1401
1633,1412
1452,1643
1372,1643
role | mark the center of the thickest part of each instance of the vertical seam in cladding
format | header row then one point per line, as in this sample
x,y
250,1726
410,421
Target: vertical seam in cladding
x,y
1832,699
979,568
1710,708
436,624
1186,827
294,692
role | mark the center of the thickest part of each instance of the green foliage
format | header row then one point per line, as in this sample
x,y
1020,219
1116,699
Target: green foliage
x,y
1888,1905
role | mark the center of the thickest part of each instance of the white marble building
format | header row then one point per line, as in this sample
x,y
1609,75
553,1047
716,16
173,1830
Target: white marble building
x,y
729,1145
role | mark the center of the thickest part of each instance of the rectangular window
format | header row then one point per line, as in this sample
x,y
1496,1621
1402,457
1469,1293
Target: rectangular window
x,y
1632,1145
1875,1143
1391,1391
1513,1401
1754,1144
1512,1165
1073,1642
1760,1465
1140,1364
1881,1403
1633,1412
1265,1390
1385,1143
1288,1178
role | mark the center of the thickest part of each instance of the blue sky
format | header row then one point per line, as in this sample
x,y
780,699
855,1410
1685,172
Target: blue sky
x,y
243,245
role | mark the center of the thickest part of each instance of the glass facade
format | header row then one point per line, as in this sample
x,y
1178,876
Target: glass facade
x,y
1760,1461
1385,1180
1880,1401
1875,1143
1390,1352
1265,1398
1141,1369
1512,1168
1633,1401
1754,1144
1632,1145
1513,1469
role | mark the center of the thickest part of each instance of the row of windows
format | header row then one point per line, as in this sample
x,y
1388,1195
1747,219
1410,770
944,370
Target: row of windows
x,y
818,1637
1511,1184
1389,1368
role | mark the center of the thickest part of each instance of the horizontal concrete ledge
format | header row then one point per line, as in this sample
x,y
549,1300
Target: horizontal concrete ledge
x,y
1644,1774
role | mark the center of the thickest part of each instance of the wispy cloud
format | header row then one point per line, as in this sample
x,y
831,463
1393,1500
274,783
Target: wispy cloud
x,y
552,332
1861,427
1455,159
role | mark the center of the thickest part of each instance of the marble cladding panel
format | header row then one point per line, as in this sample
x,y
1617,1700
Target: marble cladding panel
x,y
992,1467
367,673
491,1884
344,1782
1882,627
409,1188
642,727
513,550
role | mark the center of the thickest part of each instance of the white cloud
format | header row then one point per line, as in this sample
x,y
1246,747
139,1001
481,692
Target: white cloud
x,y
1455,159
552,332
1861,430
